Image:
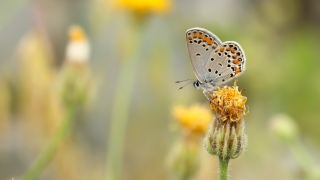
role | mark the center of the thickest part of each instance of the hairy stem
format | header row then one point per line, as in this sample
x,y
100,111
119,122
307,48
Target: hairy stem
x,y
223,170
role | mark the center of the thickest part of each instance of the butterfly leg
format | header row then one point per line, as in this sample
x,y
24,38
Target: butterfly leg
x,y
207,93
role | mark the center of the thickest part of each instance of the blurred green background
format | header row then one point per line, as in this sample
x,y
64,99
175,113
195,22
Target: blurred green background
x,y
281,39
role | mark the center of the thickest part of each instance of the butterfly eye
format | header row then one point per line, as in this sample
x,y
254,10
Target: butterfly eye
x,y
196,84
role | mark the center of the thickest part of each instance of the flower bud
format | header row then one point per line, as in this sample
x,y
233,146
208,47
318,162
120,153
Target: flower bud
x,y
76,82
184,159
284,127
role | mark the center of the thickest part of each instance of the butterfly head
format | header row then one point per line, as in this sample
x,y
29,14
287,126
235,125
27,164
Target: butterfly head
x,y
196,84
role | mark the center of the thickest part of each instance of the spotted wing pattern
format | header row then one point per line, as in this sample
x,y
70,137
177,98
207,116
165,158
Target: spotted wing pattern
x,y
224,63
201,44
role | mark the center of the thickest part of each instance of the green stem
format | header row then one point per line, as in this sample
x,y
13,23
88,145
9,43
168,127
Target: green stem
x,y
302,158
48,153
120,110
223,170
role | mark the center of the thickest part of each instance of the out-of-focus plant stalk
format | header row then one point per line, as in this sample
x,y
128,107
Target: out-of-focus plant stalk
x,y
48,153
122,99
286,130
303,159
75,85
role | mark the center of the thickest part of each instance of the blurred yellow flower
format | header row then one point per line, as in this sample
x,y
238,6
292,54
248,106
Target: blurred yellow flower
x,y
195,119
145,6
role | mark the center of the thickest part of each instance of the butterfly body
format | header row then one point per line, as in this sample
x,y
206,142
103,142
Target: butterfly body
x,y
214,62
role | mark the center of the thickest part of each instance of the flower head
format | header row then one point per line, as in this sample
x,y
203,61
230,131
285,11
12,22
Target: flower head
x,y
226,137
184,159
195,119
227,103
145,6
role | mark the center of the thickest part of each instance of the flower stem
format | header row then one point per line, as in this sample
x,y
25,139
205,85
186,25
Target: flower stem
x,y
223,170
302,158
48,153
121,106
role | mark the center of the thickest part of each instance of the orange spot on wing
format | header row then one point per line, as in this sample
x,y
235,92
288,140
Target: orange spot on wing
x,y
238,70
200,36
195,35
210,42
235,56
205,39
190,37
228,49
236,61
233,51
222,49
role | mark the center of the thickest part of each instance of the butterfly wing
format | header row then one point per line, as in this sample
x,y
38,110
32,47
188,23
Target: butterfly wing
x,y
224,63
201,43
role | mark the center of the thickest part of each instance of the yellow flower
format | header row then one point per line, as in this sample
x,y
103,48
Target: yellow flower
x,y
145,6
228,103
194,119
226,137
184,158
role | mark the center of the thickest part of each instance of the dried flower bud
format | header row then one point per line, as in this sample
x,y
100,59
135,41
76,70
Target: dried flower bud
x,y
226,137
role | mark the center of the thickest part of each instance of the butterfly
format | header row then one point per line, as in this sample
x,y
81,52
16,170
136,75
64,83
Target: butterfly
x,y
214,62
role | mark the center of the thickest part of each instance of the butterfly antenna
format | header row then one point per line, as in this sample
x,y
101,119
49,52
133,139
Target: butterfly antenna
x,y
184,80
184,85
